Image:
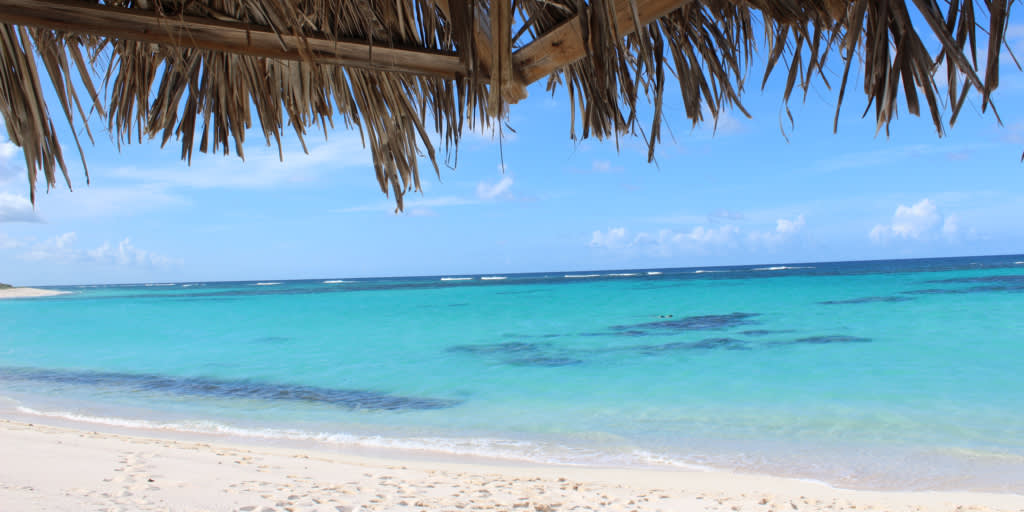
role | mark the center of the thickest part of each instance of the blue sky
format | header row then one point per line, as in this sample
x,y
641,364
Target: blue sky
x,y
744,194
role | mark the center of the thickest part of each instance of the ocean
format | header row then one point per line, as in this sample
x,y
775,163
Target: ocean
x,y
905,374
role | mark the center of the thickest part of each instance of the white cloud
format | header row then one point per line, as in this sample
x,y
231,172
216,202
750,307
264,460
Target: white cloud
x,y
611,239
56,249
705,236
8,149
788,227
922,221
601,166
60,249
726,124
15,208
784,230
487,191
951,226
699,238
127,254
665,241
10,168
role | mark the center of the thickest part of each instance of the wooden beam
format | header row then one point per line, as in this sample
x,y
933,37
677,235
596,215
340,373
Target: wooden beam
x,y
481,33
514,90
564,44
239,38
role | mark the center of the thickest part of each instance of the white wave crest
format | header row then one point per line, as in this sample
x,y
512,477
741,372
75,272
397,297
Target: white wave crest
x,y
580,276
333,281
160,284
781,268
456,278
654,273
269,283
493,278
623,275
506,449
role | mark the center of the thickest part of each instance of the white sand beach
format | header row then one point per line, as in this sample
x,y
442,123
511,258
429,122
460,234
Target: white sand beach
x,y
58,468
26,293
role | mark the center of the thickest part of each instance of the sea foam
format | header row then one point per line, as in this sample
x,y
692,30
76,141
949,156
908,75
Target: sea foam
x,y
495,448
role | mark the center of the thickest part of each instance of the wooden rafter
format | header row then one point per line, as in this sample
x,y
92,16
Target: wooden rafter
x,y
203,33
513,89
564,44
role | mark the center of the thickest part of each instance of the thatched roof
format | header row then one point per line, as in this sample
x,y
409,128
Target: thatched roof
x,y
404,72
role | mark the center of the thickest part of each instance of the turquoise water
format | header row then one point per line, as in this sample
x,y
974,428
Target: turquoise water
x,y
895,374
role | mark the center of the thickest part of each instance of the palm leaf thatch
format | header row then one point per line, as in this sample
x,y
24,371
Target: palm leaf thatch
x,y
409,72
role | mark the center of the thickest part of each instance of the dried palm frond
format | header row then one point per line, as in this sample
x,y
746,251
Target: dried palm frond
x,y
610,55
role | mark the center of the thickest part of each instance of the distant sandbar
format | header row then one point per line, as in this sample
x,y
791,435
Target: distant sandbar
x,y
27,293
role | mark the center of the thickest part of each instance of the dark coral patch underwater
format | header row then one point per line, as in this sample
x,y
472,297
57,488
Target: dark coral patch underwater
x,y
669,325
227,388
868,300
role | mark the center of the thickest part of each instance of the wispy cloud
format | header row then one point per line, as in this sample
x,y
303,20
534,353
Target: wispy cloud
x,y
261,169
6,242
700,238
418,206
107,200
726,124
784,230
726,215
61,249
886,156
410,205
15,208
125,253
487,191
664,240
57,249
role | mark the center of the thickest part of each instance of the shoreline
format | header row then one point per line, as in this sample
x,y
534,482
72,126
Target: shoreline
x,y
70,468
28,293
